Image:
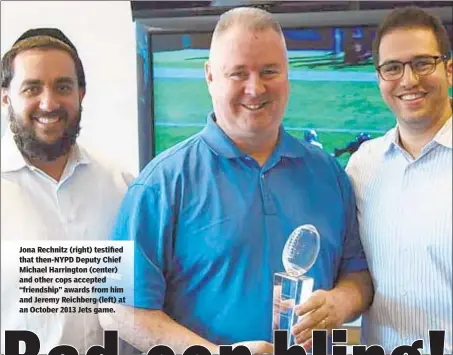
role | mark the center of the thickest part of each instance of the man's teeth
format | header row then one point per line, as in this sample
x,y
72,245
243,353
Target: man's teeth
x,y
255,107
45,120
410,97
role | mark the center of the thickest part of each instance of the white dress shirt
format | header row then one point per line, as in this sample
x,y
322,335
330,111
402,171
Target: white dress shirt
x,y
405,215
34,206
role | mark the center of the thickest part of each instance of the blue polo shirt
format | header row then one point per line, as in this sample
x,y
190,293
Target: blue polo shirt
x,y
209,226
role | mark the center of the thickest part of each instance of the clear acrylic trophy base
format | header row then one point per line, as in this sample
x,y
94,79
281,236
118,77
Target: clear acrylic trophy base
x,y
288,292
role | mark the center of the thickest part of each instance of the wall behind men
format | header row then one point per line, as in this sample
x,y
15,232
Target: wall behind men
x,y
104,35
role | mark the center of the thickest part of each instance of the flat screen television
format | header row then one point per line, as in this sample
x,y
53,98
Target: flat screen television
x,y
334,94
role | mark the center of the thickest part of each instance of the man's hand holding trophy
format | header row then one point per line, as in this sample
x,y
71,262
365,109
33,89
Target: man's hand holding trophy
x,y
292,287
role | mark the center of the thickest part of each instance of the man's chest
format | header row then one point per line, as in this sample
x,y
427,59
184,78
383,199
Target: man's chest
x,y
31,212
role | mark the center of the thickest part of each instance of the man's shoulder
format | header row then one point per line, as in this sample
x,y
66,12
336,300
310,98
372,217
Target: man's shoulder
x,y
104,167
368,155
307,150
323,165
11,159
379,144
318,158
375,147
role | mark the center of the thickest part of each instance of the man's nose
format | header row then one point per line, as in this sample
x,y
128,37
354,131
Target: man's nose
x,y
409,78
48,101
254,86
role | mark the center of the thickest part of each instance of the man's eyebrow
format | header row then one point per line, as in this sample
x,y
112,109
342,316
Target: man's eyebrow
x,y
238,67
390,61
65,80
31,82
418,56
241,66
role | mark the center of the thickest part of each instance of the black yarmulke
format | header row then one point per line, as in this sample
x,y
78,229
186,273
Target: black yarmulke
x,y
51,32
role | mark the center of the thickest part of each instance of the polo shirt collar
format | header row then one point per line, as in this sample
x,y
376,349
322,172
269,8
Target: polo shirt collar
x,y
218,141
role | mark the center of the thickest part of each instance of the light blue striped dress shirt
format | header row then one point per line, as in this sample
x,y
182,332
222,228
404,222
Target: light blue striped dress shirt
x,y
405,215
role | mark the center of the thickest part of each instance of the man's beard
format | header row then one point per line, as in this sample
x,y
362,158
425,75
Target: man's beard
x,y
32,147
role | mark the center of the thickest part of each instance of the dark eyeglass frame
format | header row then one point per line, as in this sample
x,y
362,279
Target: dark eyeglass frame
x,y
437,60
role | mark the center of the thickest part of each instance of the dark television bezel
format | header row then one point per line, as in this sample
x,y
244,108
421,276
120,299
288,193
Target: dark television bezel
x,y
147,27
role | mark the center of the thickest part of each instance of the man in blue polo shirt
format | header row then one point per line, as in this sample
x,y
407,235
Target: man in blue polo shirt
x,y
210,216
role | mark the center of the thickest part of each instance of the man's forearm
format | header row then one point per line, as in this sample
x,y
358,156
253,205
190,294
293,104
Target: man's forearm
x,y
144,329
354,292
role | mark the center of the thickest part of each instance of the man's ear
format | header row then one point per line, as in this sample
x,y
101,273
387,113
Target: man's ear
x,y
82,92
378,78
5,98
208,73
449,69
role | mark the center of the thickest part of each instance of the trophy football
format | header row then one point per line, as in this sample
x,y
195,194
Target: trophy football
x,y
292,287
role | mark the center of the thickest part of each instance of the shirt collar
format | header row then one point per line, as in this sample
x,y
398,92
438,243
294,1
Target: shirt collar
x,y
442,137
218,141
290,146
13,160
221,144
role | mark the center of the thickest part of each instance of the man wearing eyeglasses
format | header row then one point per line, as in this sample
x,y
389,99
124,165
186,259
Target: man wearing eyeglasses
x,y
403,185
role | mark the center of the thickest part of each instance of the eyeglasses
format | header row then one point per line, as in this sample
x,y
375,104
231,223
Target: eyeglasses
x,y
422,66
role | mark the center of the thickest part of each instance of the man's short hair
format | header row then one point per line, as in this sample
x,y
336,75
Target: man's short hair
x,y
250,18
411,17
41,38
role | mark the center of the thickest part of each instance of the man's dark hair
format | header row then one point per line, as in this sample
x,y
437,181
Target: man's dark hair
x,y
411,17
41,38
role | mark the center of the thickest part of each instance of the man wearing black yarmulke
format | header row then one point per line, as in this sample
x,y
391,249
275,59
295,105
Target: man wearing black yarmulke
x,y
52,188
40,140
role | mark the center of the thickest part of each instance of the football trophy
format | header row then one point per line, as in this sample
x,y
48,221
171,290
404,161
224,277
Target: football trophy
x,y
292,287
